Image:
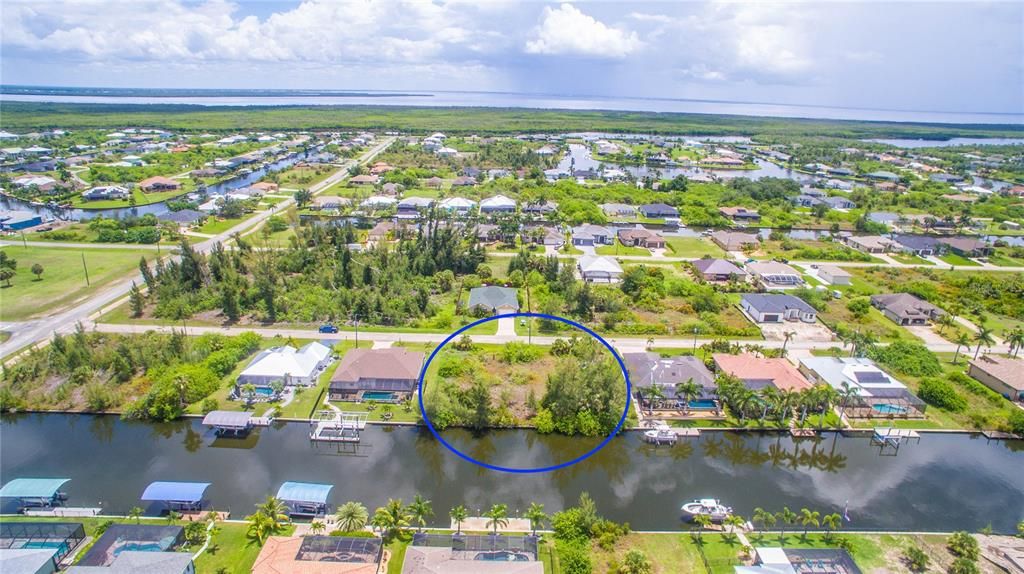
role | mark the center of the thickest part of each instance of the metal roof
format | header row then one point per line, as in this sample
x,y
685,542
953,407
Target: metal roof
x,y
304,492
176,491
32,487
227,419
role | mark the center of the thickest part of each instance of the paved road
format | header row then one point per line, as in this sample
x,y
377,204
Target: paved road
x,y
30,332
621,343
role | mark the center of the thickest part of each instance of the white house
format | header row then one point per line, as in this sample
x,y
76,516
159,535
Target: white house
x,y
776,308
834,275
459,204
287,365
599,269
107,192
498,204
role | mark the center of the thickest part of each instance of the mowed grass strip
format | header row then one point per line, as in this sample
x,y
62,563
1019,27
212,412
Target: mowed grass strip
x,y
63,279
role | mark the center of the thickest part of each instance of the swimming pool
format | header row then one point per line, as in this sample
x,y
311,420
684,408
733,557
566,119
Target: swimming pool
x,y
889,409
139,547
502,556
703,404
380,396
265,391
57,545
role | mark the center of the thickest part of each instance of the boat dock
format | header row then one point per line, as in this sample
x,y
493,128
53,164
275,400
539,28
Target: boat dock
x,y
798,432
261,421
887,436
331,426
664,434
62,511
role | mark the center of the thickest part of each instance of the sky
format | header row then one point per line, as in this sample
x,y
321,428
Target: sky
x,y
921,56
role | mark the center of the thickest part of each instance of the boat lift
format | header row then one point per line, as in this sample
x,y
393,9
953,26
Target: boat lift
x,y
893,437
337,426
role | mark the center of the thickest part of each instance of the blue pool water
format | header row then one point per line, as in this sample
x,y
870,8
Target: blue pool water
x,y
502,556
707,404
378,396
57,544
139,547
889,409
265,391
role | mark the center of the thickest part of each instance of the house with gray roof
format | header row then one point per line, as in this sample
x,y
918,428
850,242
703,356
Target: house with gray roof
x,y
776,308
184,217
921,245
906,309
658,210
734,240
837,202
590,234
882,176
495,300
647,370
775,275
618,210
718,270
967,246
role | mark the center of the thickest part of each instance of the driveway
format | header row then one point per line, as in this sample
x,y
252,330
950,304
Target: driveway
x,y
926,334
507,327
587,249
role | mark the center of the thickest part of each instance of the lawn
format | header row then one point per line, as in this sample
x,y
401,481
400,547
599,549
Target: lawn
x,y
63,280
620,249
694,247
141,198
215,225
910,259
304,176
954,259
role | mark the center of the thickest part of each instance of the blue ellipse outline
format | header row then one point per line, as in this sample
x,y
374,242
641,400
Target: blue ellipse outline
x,y
582,457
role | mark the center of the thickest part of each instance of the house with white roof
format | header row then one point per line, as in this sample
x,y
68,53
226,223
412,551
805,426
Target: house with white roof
x,y
498,204
287,365
874,393
106,192
596,269
458,204
378,202
446,151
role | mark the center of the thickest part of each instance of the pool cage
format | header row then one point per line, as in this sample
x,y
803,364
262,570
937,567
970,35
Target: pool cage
x,y
821,561
62,537
118,538
467,546
339,549
896,404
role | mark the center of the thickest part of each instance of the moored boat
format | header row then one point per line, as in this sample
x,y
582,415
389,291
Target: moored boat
x,y
709,507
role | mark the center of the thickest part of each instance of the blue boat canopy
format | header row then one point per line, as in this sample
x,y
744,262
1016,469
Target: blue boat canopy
x,y
32,487
176,491
304,492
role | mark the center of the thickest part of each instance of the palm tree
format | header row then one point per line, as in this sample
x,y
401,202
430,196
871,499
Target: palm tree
x,y
317,527
535,514
785,341
767,396
962,340
654,396
944,322
391,518
260,526
702,521
136,513
276,512
458,515
172,516
760,517
688,391
808,519
420,510
352,516
827,397
983,337
786,517
1016,340
831,522
736,522
497,517
745,399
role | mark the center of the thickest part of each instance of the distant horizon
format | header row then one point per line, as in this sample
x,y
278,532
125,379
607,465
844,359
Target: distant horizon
x,y
265,97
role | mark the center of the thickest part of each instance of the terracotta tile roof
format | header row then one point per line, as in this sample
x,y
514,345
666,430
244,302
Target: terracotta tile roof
x,y
278,556
1009,371
782,374
396,363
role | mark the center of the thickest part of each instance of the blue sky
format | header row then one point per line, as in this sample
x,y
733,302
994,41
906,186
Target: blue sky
x,y
942,56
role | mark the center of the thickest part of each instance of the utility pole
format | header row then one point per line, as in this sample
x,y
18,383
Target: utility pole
x,y
86,267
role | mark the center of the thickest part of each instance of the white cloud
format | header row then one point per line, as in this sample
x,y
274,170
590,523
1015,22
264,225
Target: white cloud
x,y
568,31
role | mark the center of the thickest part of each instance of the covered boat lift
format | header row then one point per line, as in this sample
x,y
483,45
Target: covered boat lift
x,y
305,498
177,495
229,423
35,492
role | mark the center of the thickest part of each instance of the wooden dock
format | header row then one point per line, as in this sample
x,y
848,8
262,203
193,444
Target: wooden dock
x,y
888,436
261,421
998,435
797,432
687,432
337,426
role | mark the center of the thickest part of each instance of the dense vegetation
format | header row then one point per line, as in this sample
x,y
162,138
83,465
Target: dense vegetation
x,y
153,376
33,115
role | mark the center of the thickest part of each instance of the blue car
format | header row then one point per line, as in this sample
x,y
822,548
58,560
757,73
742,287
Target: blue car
x,y
328,329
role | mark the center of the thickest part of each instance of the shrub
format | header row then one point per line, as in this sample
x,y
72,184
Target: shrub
x,y
570,525
963,566
908,358
859,307
963,545
917,560
941,394
1016,422
575,559
516,352
636,562
210,404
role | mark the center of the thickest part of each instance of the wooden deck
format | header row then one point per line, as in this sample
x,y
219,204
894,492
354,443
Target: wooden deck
x,y
63,511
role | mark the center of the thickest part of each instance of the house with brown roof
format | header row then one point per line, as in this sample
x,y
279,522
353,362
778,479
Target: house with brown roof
x,y
735,241
363,179
266,186
394,371
869,243
159,183
434,182
758,372
381,230
906,309
718,270
1003,375
739,213
641,237
967,246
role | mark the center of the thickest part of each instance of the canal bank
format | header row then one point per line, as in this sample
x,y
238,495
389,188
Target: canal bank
x,y
943,482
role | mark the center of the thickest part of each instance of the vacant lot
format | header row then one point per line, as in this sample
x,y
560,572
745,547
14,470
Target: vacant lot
x,y
63,280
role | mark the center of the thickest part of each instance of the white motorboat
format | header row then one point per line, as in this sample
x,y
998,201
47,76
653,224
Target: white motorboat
x,y
660,436
709,507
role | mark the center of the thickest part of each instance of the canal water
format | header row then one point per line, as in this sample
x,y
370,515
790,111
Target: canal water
x,y
945,481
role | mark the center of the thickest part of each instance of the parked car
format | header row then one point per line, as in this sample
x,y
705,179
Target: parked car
x,y
328,328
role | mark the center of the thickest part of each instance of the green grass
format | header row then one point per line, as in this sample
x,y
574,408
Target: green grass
x,y
620,249
954,259
63,279
141,198
397,547
215,225
910,259
694,247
